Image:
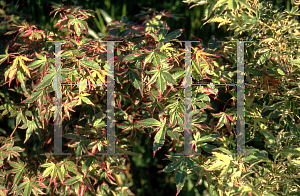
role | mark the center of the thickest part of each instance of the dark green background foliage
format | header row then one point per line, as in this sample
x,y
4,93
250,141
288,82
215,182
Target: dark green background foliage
x,y
272,114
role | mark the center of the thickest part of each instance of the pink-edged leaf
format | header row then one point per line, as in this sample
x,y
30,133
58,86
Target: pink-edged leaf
x,y
110,178
229,117
181,174
82,188
150,122
159,139
221,122
11,75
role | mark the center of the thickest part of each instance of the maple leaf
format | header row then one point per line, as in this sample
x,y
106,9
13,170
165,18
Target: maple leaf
x,y
200,55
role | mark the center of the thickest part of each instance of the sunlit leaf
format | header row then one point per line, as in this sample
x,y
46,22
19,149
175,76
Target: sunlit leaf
x,y
181,174
159,140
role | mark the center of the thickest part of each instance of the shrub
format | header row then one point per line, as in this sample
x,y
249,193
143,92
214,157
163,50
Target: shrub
x,y
149,98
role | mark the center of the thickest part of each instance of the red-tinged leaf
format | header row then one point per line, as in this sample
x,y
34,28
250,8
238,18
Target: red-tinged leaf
x,y
181,174
227,123
88,185
229,117
11,75
21,60
217,114
110,178
200,55
73,180
208,91
153,78
82,188
14,66
221,122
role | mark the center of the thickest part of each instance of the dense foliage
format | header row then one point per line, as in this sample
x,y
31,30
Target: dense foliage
x,y
149,99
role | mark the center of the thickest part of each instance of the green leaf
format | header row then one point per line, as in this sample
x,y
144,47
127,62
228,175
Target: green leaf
x,y
250,158
73,180
148,58
21,78
245,3
232,5
173,35
206,138
275,106
22,65
159,140
254,72
221,121
181,174
223,157
226,169
3,58
46,81
216,165
150,122
292,151
92,64
171,167
161,83
207,147
219,4
136,80
162,32
86,164
292,126
270,138
46,164
22,185
168,77
60,175
36,64
190,164
48,170
31,127
34,96
280,71
18,176
18,119
263,58
86,100
70,167
128,152
132,57
173,135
